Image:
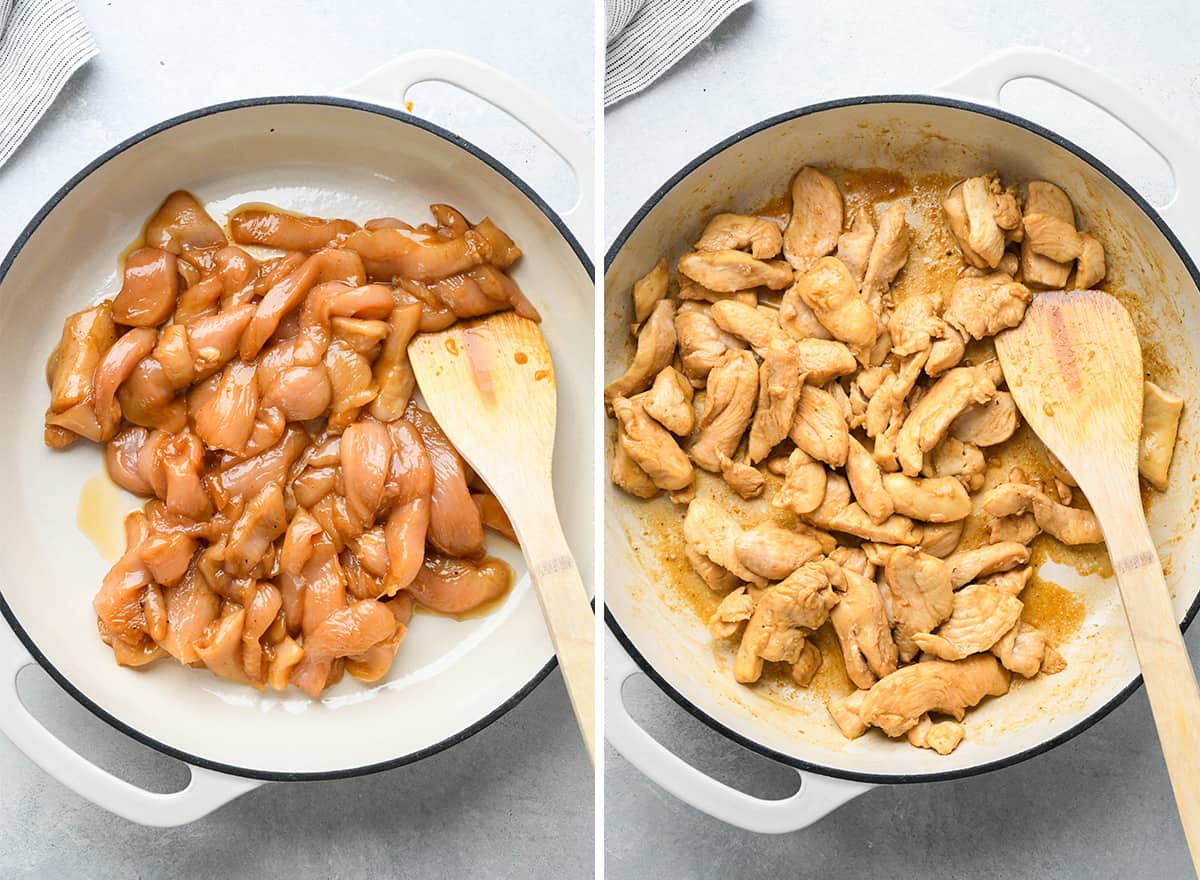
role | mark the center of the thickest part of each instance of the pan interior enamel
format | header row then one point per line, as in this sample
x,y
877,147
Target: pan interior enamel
x,y
914,139
329,161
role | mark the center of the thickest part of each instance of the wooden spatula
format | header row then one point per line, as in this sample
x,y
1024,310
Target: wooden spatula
x,y
1074,368
490,385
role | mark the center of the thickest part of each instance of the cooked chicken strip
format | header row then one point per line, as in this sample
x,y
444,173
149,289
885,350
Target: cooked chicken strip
x,y
845,712
1036,270
854,247
916,322
982,614
888,401
987,424
797,320
853,520
746,322
984,235
945,352
1161,411
729,271
761,237
1010,582
931,418
956,219
917,595
718,579
1023,649
1052,237
803,486
983,306
931,499
779,383
805,669
648,290
651,446
889,253
1090,268
954,458
829,290
701,342
820,428
867,482
942,736
967,565
823,360
896,703
627,474
816,219
728,405
744,479
1068,524
735,609
713,533
655,349
784,615
669,402
864,632
774,552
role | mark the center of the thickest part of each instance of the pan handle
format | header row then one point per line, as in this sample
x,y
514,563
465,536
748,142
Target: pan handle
x,y
206,790
817,797
390,83
984,81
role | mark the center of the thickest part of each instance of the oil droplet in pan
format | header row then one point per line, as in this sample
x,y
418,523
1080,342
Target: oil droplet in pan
x,y
101,515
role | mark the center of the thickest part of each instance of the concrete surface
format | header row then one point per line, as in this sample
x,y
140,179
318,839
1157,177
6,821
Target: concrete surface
x,y
516,799
1100,806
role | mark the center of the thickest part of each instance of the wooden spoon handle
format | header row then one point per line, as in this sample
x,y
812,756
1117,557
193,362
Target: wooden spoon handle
x,y
1166,667
564,602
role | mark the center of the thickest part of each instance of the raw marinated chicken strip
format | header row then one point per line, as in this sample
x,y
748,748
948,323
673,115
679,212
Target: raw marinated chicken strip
x,y
739,232
713,533
1161,411
931,499
151,285
967,565
816,220
456,586
728,406
263,520
867,483
390,252
863,631
744,479
982,614
669,402
352,630
896,703
747,323
889,253
655,349
1024,650
392,373
784,615
289,232
774,552
182,226
854,246
734,610
819,427
942,736
983,306
455,527
86,336
803,487
931,418
917,594
829,290
779,386
702,343
1068,524
730,271
987,424
649,290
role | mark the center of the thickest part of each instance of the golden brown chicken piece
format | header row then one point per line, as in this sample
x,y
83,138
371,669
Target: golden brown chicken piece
x,y
773,552
829,290
987,424
783,617
729,271
816,219
1161,411
743,478
669,402
863,631
1090,268
819,427
889,253
651,446
701,342
930,499
655,349
804,484
729,402
985,305
941,736
867,482
1039,271
713,533
760,236
917,595
649,290
734,610
1024,650
967,565
1068,524
747,323
931,418
981,615
779,385
854,245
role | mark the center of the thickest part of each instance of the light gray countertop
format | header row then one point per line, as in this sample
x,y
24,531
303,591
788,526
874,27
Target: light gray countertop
x,y
515,799
1099,806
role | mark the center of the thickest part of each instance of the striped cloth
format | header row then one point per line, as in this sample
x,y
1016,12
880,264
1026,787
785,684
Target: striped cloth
x,y
646,37
42,42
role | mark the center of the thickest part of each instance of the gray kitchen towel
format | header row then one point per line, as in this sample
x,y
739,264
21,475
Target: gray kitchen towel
x,y
42,42
646,37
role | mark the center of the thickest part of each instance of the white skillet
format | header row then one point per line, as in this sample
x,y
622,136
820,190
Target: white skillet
x,y
912,134
351,156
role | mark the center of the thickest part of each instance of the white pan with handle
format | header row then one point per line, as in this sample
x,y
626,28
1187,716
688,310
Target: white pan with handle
x,y
351,156
959,131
